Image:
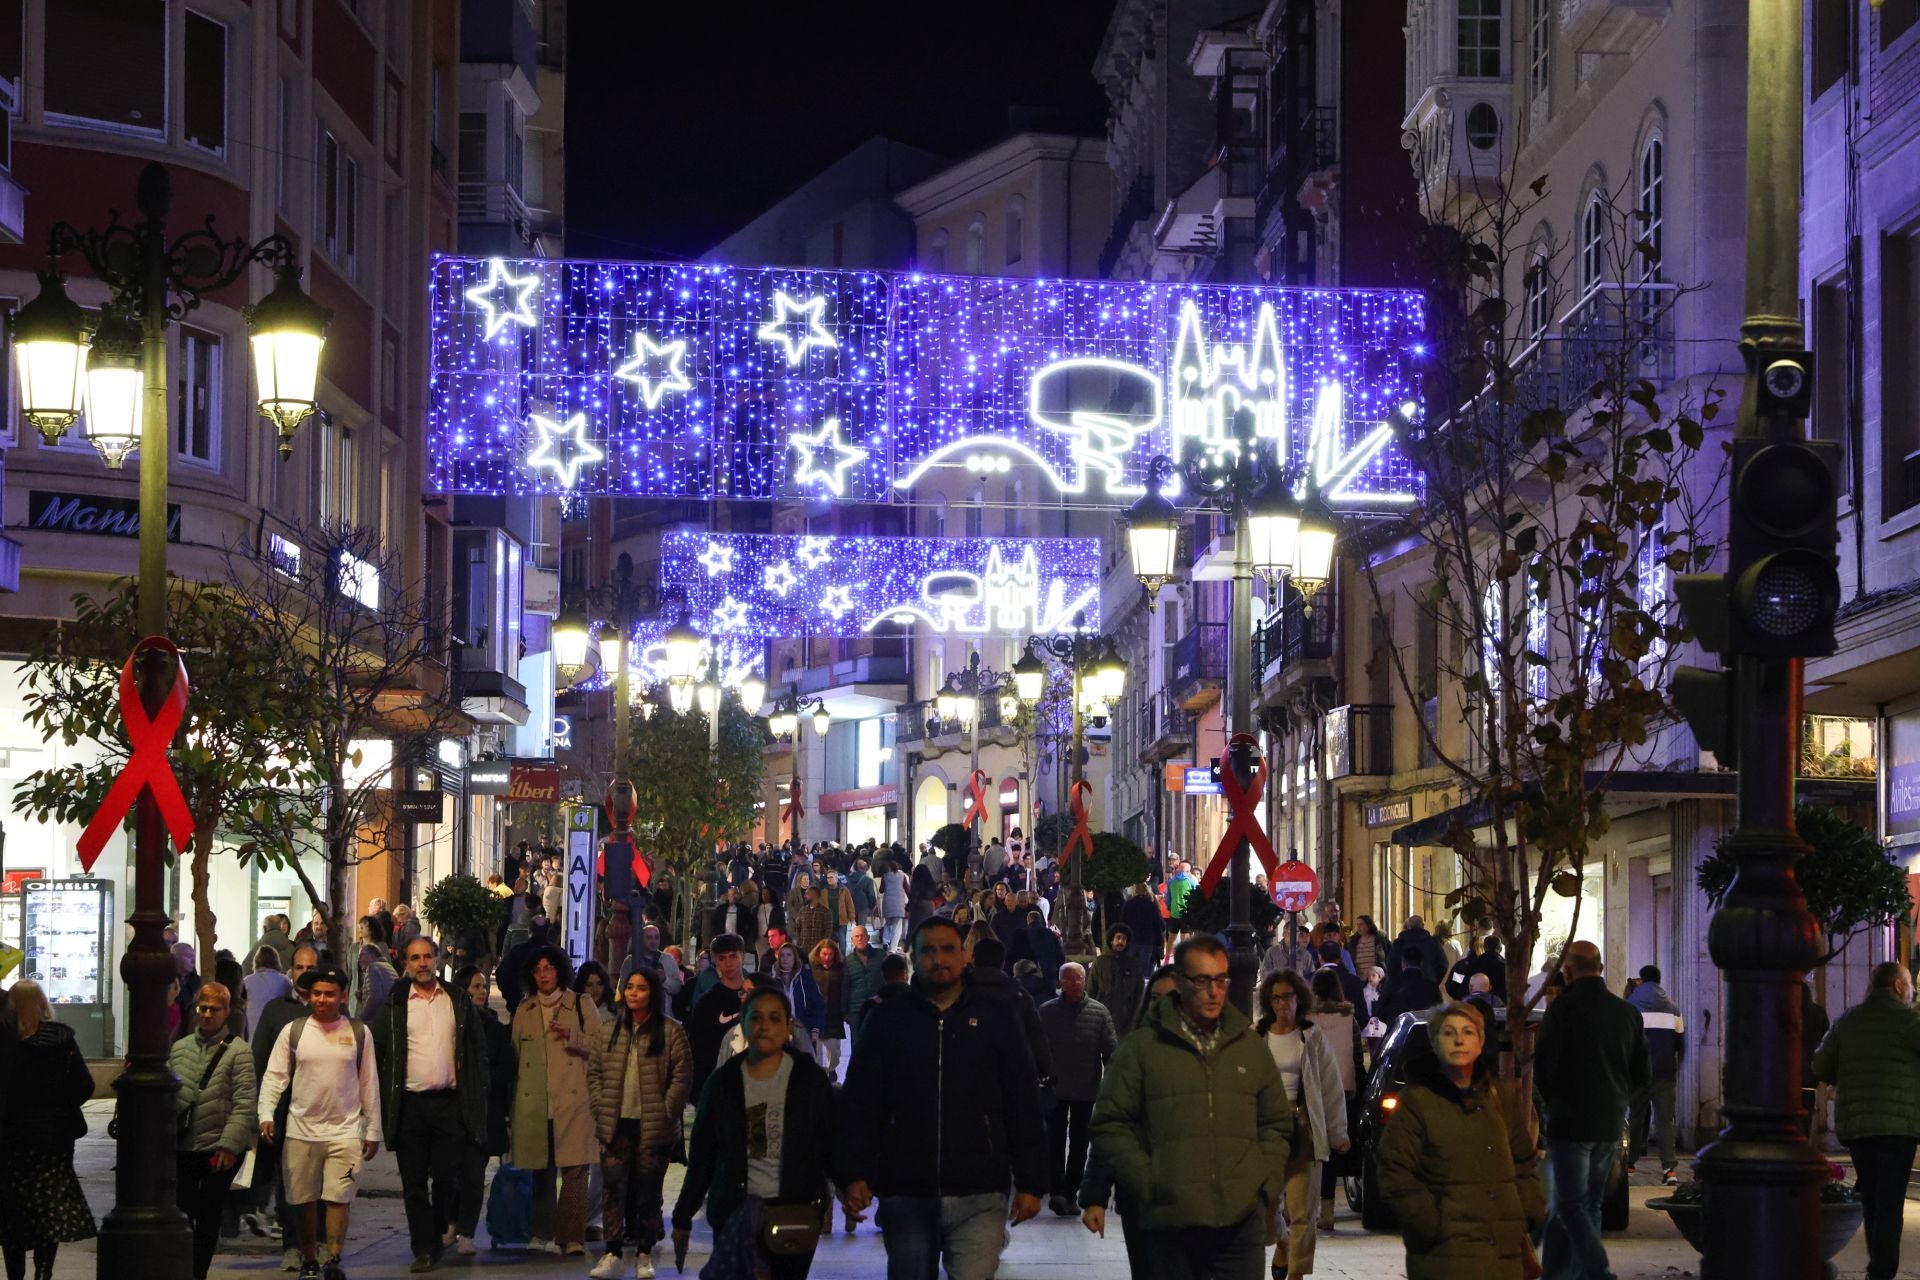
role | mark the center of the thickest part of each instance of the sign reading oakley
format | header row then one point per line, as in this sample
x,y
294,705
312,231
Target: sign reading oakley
x,y
89,513
698,380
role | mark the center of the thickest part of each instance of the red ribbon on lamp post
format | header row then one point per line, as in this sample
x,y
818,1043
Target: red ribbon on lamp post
x,y
1082,837
1243,807
976,808
147,768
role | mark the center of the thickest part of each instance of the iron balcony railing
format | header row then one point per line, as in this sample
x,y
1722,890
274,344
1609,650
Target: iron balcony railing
x,y
1163,725
1199,657
1302,631
1359,740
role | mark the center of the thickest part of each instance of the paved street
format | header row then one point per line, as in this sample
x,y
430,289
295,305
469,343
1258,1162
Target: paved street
x,y
1045,1249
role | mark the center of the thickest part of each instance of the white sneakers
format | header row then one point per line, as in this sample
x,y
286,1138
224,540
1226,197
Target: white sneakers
x,y
608,1268
643,1267
541,1245
463,1245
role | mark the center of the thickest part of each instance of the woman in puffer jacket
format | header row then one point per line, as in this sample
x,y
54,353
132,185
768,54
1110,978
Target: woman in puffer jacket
x,y
638,1079
1461,1182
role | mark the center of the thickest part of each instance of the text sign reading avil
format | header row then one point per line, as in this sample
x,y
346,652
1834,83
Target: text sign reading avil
x,y
691,380
758,584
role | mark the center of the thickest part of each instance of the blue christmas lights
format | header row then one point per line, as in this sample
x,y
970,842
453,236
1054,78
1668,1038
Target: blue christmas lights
x,y
696,380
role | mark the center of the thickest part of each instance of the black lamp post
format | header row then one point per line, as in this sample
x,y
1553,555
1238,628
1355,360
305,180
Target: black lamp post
x,y
783,721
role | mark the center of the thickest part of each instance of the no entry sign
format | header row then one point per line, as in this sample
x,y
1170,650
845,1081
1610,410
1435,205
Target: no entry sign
x,y
1295,886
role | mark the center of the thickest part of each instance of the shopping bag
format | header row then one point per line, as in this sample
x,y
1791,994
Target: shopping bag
x,y
243,1177
510,1206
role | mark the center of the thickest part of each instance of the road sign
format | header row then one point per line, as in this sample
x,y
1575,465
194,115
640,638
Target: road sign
x,y
1295,886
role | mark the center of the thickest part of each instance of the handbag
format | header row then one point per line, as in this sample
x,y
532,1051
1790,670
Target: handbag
x,y
243,1177
790,1229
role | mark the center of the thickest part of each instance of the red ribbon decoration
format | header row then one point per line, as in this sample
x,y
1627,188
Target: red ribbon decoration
x,y
1242,805
976,799
796,810
147,767
1082,837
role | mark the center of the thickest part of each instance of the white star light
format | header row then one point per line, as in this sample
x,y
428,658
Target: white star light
x,y
717,558
656,368
779,578
505,297
729,615
837,602
841,456
785,312
815,551
580,452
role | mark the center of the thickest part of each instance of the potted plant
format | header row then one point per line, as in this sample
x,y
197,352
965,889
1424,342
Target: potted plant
x,y
1840,1211
466,914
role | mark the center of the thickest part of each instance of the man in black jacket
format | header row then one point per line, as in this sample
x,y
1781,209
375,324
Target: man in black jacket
x,y
990,982
1592,1057
942,1115
1409,992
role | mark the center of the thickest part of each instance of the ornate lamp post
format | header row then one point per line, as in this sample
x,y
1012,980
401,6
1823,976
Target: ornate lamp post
x,y
783,721
960,699
1275,530
122,368
622,602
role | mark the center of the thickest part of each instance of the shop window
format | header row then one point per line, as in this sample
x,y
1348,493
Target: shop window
x,y
196,400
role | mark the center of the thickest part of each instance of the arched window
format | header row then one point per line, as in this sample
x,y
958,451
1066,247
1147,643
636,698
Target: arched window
x,y
1013,223
936,255
1539,284
976,246
1593,243
1653,205
1540,44
1478,34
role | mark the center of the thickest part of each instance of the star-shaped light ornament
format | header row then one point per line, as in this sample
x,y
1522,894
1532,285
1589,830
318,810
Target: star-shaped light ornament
x,y
839,456
779,578
837,602
789,314
563,448
717,559
815,551
656,368
729,615
505,297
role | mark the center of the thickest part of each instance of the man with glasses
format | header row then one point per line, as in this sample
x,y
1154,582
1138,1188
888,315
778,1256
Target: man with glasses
x,y
215,1111
1204,1161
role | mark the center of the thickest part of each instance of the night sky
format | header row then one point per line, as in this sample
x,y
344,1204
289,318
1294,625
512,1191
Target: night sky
x,y
684,121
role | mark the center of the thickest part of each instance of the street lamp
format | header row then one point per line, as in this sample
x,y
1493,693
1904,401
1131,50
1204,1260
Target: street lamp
x,y
1278,534
783,721
572,639
623,601
287,329
151,279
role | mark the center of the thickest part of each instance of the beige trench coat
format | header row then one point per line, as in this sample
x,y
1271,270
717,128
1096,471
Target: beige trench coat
x,y
553,1084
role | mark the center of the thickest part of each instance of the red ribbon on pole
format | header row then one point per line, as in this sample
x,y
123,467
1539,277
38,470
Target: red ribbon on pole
x,y
1242,805
147,767
796,809
1082,837
976,799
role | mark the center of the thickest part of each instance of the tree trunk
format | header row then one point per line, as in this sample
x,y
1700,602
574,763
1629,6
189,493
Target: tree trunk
x,y
339,848
205,933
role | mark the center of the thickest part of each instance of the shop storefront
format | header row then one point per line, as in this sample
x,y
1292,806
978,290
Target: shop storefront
x,y
865,813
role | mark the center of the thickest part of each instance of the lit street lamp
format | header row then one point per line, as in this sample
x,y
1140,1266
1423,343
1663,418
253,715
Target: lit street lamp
x,y
120,370
1276,533
623,602
783,721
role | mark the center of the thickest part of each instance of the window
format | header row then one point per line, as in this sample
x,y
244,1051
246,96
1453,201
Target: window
x,y
393,121
433,117
1493,606
976,246
1014,230
283,137
1900,370
1653,204
389,376
13,35
1655,587
1832,349
869,753
1479,39
9,406
206,83
514,138
1539,642
106,64
1832,45
1539,285
473,146
937,252
1593,244
976,513
1483,126
339,203
196,395
1896,19
1540,45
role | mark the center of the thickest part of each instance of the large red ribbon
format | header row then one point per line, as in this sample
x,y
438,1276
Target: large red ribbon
x,y
976,808
796,809
147,766
1243,806
1082,837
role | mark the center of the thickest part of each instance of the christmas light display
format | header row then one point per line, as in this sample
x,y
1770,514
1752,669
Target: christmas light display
x,y
562,448
698,380
956,586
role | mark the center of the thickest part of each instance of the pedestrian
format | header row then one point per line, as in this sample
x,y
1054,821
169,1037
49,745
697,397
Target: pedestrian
x,y
269,1190
1338,1023
1411,991
323,1063
1116,979
1141,914
45,1084
761,1149
736,915
1097,1188
830,978
893,905
1652,1118
215,1112
1871,1056
922,890
1081,1040
503,1071
1180,884
435,1077
991,981
1590,1060
717,1009
554,1031
640,1077
863,978
1414,940
943,1118
378,977
274,936
265,984
1194,1122
590,981
1460,1181
648,954
811,922
1042,946
1367,949
1313,1083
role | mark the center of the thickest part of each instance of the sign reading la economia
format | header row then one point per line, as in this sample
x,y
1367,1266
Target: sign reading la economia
x,y
695,380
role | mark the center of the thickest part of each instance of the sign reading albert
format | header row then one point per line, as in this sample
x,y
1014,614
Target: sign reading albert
x,y
699,380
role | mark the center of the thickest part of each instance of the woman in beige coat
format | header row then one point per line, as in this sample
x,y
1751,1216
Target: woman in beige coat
x,y
554,1032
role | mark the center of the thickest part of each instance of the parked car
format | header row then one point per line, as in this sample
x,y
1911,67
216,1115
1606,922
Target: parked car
x,y
1406,1041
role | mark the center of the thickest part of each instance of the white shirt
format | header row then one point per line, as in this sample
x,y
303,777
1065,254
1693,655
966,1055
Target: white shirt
x,y
1289,1051
335,1098
429,1039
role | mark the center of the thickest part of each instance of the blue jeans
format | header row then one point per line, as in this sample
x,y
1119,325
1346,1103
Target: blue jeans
x,y
1572,1249
967,1231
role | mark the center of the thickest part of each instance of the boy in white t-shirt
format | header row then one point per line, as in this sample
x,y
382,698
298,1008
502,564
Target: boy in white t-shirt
x,y
325,1062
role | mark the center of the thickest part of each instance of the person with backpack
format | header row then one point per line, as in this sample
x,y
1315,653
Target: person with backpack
x,y
323,1062
215,1111
554,1031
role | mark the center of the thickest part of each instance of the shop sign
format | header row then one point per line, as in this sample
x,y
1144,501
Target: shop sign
x,y
534,784
89,513
859,798
1903,778
1390,811
14,877
491,778
417,806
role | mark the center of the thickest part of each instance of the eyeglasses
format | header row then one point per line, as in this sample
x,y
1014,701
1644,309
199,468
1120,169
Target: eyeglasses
x,y
1210,982
210,1008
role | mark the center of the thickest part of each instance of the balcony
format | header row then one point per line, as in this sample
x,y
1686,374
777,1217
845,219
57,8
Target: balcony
x,y
499,32
1199,667
1165,731
1460,135
1297,642
1617,333
1360,741
919,722
1195,220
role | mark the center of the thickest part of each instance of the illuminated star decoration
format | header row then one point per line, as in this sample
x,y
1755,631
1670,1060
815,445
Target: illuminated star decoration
x,y
837,602
841,454
717,559
815,551
729,614
656,368
505,297
580,452
786,312
778,578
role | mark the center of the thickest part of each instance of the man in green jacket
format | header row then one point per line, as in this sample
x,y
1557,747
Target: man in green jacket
x,y
1872,1059
1205,1160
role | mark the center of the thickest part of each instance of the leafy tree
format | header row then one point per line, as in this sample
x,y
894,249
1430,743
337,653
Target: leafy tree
x,y
465,913
1116,866
231,753
1850,882
952,843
